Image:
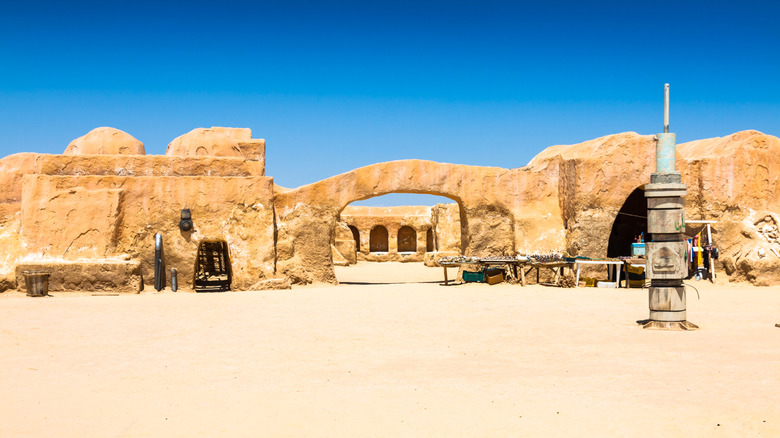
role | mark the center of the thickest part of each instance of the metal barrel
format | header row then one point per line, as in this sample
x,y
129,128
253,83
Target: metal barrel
x,y
37,283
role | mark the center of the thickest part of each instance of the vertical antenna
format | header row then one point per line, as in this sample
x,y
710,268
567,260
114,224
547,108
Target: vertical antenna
x,y
666,108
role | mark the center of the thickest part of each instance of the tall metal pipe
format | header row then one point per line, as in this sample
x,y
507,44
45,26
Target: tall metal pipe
x,y
159,267
666,108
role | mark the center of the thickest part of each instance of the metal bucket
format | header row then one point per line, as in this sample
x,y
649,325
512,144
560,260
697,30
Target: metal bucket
x,y
37,283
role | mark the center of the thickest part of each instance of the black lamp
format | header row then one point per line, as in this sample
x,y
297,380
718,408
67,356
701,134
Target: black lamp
x,y
186,220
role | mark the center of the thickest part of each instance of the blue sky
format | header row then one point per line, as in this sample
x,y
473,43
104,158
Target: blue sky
x,y
333,86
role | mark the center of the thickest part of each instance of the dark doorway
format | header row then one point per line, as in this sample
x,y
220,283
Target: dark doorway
x,y
213,272
356,236
378,239
429,240
631,221
407,239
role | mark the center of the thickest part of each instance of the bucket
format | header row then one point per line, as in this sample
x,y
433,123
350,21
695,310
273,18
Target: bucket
x,y
37,283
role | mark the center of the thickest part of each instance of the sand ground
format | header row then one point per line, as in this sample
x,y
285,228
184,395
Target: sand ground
x,y
405,357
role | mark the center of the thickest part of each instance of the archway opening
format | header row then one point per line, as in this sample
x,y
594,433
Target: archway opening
x,y
630,223
378,240
213,272
407,239
356,236
415,225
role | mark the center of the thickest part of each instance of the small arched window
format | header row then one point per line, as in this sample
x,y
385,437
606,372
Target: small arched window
x,y
356,236
378,239
407,239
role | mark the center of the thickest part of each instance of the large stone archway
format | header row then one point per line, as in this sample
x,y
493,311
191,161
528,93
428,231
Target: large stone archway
x,y
306,216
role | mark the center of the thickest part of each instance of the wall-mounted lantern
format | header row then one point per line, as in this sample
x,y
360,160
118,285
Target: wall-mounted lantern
x,y
186,220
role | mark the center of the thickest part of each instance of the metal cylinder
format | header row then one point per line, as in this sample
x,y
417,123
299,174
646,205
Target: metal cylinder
x,y
665,148
667,303
174,280
159,268
37,283
666,108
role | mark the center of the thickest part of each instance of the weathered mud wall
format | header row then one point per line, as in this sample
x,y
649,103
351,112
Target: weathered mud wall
x,y
78,218
99,212
594,180
734,180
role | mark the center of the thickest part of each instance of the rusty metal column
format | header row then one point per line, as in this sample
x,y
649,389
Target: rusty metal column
x,y
666,261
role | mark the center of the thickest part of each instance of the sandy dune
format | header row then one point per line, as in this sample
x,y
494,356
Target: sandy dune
x,y
404,357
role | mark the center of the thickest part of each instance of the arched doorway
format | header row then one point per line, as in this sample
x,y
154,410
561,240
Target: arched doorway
x,y
429,246
407,239
631,221
378,241
356,236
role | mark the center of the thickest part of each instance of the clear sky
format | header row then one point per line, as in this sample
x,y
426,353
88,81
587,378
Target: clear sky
x,y
335,85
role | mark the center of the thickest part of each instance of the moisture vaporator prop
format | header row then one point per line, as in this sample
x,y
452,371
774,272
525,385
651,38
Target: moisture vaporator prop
x,y
666,261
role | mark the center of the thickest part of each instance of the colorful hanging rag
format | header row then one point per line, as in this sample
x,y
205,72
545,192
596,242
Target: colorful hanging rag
x,y
700,255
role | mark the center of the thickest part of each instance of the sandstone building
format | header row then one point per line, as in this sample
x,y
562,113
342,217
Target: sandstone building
x,y
89,216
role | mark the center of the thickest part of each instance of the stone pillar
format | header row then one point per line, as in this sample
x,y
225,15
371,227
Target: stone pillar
x,y
392,240
422,241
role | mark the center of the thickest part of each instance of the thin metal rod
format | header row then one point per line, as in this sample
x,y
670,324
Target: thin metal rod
x,y
666,108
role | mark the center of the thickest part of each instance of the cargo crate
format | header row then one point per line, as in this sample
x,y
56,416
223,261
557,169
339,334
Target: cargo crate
x,y
473,277
494,279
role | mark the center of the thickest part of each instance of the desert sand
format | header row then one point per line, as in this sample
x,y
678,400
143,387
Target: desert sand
x,y
389,352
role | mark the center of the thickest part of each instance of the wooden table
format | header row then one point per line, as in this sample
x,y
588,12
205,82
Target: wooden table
x,y
558,268
510,263
579,264
453,265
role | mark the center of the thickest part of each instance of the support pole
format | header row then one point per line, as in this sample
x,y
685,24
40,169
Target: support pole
x,y
666,108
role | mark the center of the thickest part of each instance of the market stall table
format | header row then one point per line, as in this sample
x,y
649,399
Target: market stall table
x,y
557,267
511,265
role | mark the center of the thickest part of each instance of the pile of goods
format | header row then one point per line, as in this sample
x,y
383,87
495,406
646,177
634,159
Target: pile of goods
x,y
546,258
497,259
457,259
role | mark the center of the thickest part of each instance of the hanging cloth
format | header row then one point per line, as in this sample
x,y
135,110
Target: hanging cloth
x,y
700,255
